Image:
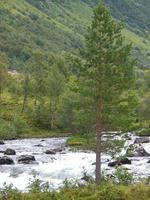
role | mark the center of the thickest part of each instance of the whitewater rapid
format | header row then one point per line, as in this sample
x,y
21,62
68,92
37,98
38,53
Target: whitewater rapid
x,y
54,169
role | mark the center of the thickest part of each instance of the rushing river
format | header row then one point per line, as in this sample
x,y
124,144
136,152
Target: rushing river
x,y
56,168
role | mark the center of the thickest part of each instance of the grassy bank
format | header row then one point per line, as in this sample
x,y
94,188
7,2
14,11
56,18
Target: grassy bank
x,y
91,192
88,142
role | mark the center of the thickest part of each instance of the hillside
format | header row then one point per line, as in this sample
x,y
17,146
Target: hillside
x,y
135,13
56,26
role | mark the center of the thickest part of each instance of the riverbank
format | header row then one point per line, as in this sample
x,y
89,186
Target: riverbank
x,y
107,191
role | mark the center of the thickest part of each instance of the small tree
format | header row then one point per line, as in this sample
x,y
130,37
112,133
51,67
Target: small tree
x,y
3,71
109,71
55,83
38,68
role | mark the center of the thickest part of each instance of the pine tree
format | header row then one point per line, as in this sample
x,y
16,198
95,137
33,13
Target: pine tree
x,y
109,77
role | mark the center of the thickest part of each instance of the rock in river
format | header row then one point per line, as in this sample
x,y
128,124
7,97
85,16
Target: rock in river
x,y
54,151
51,152
9,152
1,142
26,159
142,140
38,145
137,150
6,161
124,161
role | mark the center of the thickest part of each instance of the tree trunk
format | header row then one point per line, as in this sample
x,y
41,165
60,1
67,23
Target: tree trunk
x,y
98,144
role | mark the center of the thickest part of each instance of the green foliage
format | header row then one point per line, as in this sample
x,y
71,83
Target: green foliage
x,y
106,191
10,193
144,132
123,177
83,141
60,26
4,63
13,129
42,116
51,93
143,108
109,72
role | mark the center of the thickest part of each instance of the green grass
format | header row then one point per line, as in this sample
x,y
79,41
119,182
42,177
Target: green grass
x,y
88,142
81,142
105,191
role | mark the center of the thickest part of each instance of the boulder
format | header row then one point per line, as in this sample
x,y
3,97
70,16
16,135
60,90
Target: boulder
x,y
38,145
137,150
26,159
142,140
58,150
1,142
6,161
94,163
54,151
51,152
9,152
124,161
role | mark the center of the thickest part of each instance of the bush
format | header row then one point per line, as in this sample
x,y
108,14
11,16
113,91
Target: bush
x,y
111,192
122,176
13,129
144,132
19,126
105,191
9,193
42,117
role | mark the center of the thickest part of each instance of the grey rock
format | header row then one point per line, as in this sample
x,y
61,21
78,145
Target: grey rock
x,y
51,152
124,161
54,151
142,140
137,150
26,159
38,145
9,152
6,161
1,142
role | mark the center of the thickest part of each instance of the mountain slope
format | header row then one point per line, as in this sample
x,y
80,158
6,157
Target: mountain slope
x,y
135,13
49,25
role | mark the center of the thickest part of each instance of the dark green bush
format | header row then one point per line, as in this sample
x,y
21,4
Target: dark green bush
x,y
13,129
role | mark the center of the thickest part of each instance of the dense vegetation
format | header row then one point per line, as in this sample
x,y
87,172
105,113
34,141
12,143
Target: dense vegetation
x,y
61,25
107,191
130,12
49,93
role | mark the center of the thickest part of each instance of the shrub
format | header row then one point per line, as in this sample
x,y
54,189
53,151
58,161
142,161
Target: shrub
x,y
111,192
13,129
144,132
122,176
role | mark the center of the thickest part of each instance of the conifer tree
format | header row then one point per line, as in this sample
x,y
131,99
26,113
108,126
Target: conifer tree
x,y
110,77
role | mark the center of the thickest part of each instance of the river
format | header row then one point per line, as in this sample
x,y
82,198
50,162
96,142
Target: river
x,y
54,169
